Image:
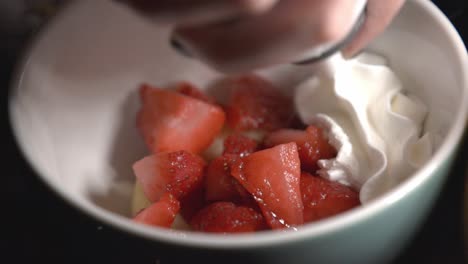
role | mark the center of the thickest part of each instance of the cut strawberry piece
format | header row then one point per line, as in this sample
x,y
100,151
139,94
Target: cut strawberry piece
x,y
312,145
161,213
239,144
272,176
170,121
226,217
323,198
255,103
191,90
192,202
219,183
177,172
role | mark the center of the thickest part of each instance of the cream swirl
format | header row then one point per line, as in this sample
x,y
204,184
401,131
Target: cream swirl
x,y
375,124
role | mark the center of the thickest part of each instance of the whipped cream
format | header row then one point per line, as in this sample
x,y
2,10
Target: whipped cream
x,y
374,123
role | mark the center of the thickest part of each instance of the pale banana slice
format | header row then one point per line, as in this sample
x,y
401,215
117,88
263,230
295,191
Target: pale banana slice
x,y
139,200
216,148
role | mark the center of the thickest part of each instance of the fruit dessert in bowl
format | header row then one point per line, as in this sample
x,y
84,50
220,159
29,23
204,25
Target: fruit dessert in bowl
x,y
246,165
331,164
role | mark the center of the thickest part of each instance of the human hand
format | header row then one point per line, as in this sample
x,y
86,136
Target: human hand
x,y
240,35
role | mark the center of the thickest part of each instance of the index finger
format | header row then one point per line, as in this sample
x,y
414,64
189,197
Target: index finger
x,y
379,14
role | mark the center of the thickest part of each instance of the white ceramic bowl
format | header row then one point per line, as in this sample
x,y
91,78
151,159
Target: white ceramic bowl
x,y
73,109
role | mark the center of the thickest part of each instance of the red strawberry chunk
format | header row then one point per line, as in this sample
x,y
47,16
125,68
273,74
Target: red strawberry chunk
x,y
191,90
239,144
312,145
226,217
255,103
272,176
161,213
192,202
323,198
171,121
219,183
178,172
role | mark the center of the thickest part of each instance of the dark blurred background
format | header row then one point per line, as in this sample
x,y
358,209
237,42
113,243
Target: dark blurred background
x,y
38,227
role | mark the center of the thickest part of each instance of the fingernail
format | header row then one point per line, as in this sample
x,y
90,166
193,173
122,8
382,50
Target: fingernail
x,y
179,47
348,54
342,45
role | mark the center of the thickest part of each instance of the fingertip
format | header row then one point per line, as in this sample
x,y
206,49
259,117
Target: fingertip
x,y
350,52
363,37
379,14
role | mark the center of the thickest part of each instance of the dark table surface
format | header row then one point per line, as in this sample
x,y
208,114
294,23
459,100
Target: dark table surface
x,y
40,227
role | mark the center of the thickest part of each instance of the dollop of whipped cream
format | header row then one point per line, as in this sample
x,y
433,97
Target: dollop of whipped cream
x,y
375,124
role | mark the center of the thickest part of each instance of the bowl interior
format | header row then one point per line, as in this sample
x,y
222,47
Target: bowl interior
x,y
74,106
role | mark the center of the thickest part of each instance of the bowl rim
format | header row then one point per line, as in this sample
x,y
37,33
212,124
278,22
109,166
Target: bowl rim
x,y
268,238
